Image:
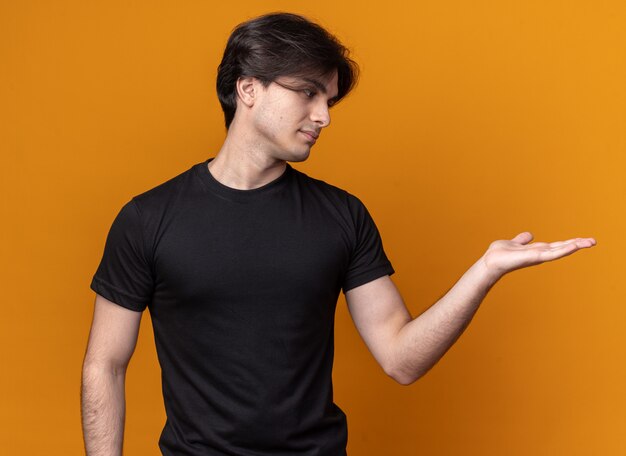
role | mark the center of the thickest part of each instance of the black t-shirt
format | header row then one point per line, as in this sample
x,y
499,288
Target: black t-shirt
x,y
242,287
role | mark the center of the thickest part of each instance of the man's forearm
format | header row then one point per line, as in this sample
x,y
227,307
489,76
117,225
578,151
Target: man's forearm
x,y
426,338
103,410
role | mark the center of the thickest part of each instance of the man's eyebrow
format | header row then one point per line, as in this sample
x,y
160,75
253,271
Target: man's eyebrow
x,y
321,87
316,83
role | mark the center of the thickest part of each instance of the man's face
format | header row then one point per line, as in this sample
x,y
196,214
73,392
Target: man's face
x,y
290,113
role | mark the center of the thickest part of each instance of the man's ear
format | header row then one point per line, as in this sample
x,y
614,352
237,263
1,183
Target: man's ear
x,y
246,90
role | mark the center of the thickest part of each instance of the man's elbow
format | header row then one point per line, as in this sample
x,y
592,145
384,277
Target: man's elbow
x,y
400,377
403,377
97,368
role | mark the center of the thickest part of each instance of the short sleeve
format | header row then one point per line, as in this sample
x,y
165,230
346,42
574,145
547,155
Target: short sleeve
x,y
368,260
124,274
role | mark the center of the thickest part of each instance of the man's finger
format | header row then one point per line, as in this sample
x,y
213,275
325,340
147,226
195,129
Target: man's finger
x,y
523,238
557,244
554,253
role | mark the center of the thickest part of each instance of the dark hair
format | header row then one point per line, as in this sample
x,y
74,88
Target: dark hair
x,y
281,44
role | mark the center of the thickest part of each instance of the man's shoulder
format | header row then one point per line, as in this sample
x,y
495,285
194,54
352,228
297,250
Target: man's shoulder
x,y
335,192
168,190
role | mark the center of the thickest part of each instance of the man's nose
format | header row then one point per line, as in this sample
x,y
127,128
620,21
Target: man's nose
x,y
320,114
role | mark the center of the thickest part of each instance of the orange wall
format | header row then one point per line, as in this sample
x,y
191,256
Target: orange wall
x,y
473,121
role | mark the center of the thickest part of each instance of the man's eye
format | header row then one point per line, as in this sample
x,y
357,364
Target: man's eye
x,y
309,93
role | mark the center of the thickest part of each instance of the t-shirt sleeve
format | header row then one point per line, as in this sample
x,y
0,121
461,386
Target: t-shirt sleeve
x,y
124,274
368,260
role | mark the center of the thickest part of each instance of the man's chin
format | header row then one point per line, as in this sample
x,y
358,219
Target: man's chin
x,y
298,156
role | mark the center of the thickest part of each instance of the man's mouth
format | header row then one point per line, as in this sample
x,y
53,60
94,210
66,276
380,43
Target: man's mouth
x,y
311,135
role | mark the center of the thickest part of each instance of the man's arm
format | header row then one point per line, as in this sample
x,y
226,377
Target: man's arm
x,y
111,344
407,348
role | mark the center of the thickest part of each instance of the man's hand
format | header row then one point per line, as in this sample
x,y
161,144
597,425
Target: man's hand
x,y
408,347
506,256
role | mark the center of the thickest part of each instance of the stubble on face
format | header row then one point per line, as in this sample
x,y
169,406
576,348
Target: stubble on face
x,y
288,121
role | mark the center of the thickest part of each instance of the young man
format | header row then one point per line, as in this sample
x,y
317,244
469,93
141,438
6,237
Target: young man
x,y
241,259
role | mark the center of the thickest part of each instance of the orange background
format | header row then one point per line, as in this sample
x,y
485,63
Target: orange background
x,y
473,121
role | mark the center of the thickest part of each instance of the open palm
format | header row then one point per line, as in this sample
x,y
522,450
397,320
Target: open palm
x,y
505,256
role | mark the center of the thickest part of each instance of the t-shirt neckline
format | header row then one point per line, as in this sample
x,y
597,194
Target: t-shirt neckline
x,y
214,186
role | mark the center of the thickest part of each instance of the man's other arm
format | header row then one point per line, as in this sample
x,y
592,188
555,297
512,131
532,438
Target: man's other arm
x,y
112,341
406,347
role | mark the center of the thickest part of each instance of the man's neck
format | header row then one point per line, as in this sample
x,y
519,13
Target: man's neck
x,y
241,164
